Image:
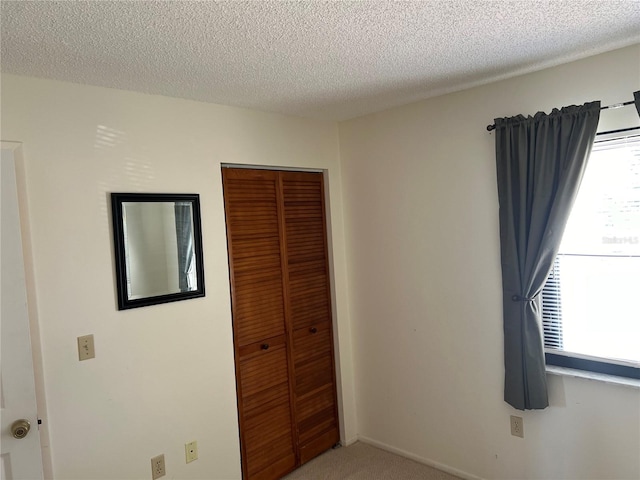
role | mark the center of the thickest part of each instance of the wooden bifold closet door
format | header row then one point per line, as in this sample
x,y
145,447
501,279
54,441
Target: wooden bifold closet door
x,y
282,329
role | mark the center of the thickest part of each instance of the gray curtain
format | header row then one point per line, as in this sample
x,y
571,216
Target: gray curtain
x,y
636,98
540,163
184,233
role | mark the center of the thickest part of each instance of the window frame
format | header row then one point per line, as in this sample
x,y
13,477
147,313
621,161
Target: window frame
x,y
590,364
577,361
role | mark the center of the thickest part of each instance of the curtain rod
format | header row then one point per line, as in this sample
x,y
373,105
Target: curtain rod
x,y
615,105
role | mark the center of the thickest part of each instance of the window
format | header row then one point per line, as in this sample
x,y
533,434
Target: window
x,y
591,300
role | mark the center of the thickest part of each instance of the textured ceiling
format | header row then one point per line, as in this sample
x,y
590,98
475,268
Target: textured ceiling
x,y
322,59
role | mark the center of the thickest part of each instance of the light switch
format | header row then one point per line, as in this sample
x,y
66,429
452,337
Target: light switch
x,y
86,349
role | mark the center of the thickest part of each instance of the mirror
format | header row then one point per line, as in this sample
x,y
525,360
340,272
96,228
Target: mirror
x,y
158,248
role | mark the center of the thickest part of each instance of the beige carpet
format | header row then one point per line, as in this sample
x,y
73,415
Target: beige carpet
x,y
364,462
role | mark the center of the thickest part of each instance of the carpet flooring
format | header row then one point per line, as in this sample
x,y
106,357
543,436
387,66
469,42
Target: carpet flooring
x,y
364,462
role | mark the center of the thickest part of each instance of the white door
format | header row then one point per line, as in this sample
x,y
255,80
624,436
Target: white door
x,y
21,458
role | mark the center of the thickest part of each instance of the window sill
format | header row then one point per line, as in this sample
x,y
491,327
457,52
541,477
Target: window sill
x,y
600,377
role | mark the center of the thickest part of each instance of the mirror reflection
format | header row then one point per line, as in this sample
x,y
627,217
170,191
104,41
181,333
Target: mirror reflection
x,y
158,245
157,248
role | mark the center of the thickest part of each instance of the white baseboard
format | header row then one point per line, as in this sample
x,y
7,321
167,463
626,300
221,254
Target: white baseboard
x,y
425,461
350,441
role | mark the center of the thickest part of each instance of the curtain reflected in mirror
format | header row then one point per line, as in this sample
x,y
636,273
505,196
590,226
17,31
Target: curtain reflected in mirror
x,y
158,248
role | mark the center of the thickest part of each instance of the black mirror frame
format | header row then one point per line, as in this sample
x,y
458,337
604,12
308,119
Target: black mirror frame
x,y
117,199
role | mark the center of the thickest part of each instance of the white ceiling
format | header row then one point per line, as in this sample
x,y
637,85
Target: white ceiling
x,y
321,59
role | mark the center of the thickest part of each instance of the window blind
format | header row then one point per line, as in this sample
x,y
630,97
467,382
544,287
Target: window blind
x,y
552,309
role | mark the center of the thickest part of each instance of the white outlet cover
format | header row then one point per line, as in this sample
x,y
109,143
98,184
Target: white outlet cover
x,y
86,349
157,467
191,451
517,426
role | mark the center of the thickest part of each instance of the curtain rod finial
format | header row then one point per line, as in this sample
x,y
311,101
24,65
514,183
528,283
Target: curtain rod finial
x,y
490,128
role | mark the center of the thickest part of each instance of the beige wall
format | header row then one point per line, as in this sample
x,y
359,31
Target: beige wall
x,y
421,216
163,375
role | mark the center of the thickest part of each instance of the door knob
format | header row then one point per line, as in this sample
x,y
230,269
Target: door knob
x,y
20,428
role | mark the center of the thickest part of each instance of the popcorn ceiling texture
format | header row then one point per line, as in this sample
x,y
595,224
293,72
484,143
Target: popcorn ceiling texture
x,y
323,59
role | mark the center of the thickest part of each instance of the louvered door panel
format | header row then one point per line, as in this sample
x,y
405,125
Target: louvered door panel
x,y
253,235
260,335
304,278
315,414
312,343
313,375
306,248
310,313
266,410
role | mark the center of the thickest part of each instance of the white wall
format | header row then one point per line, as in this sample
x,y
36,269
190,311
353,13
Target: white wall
x,y
421,216
163,375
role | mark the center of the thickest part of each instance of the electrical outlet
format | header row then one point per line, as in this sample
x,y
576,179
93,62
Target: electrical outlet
x,y
517,426
191,451
157,467
86,350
